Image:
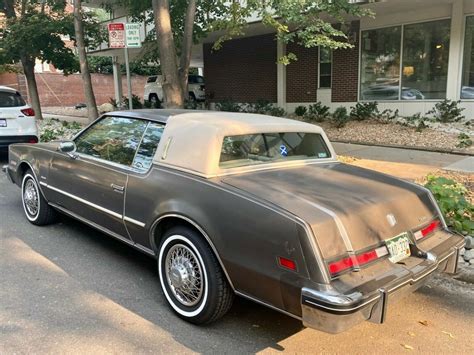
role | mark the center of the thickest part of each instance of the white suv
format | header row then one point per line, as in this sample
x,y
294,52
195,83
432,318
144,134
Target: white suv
x,y
154,91
17,119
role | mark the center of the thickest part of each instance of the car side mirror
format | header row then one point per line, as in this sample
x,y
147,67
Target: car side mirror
x,y
68,147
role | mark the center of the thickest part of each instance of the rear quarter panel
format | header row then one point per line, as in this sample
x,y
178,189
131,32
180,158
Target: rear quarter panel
x,y
249,236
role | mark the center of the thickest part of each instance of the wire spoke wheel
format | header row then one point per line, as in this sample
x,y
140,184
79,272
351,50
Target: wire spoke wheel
x,y
184,275
30,197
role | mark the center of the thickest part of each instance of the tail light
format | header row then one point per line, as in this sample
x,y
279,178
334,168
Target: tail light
x,y
287,263
430,228
353,262
28,112
33,140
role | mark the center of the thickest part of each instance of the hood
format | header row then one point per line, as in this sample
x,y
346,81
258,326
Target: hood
x,y
348,208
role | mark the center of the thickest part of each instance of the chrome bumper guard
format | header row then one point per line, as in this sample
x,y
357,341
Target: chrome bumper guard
x,y
334,312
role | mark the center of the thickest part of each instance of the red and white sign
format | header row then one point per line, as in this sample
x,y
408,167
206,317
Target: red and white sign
x,y
116,35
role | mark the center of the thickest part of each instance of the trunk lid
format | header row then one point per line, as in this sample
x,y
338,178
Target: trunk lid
x,y
348,208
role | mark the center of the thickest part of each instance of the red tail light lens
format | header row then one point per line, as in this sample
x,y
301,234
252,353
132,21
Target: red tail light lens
x,y
351,262
287,263
28,112
430,228
33,140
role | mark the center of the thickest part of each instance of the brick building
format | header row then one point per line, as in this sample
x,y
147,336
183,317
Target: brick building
x,y
410,56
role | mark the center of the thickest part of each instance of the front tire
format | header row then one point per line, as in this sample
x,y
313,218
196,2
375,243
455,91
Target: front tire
x,y
36,207
191,278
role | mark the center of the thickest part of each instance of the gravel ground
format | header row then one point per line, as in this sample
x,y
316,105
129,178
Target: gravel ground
x,y
394,134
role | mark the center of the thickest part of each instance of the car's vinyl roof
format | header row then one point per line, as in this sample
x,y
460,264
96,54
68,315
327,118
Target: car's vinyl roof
x,y
158,115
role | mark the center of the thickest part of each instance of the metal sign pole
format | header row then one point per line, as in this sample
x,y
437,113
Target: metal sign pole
x,y
129,80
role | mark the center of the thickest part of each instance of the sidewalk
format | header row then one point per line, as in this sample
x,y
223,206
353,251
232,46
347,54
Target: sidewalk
x,y
404,163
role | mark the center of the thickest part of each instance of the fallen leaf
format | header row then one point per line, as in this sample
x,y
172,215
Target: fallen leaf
x,y
411,334
448,333
423,322
408,347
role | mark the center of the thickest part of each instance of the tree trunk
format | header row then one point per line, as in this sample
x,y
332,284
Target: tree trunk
x,y
86,76
172,88
29,70
187,45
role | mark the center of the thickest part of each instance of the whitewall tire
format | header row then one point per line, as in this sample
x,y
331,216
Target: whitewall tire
x,y
191,278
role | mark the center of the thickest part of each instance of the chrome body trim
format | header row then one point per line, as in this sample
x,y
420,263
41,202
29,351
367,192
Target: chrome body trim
x,y
93,205
134,221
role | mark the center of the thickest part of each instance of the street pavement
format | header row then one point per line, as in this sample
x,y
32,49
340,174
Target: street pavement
x,y
67,288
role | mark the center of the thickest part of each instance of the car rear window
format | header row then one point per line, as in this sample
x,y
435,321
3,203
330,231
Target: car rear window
x,y
11,99
195,79
252,149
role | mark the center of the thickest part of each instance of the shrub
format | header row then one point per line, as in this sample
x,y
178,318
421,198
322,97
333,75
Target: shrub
x,y
318,112
300,111
364,110
262,106
228,105
277,111
340,117
136,102
191,104
417,121
451,198
50,134
388,115
464,141
447,111
149,104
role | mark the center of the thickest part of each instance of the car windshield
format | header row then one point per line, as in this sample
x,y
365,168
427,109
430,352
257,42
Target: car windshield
x,y
11,99
251,149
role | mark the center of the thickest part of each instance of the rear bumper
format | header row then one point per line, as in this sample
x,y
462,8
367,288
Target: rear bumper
x,y
5,141
334,312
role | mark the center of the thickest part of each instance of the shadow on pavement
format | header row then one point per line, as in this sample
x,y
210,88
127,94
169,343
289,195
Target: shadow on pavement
x,y
83,264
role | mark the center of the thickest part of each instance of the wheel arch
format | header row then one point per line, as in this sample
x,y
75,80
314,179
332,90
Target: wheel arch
x,y
23,167
170,220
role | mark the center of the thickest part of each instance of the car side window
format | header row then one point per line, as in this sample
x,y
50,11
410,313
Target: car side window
x,y
114,139
146,150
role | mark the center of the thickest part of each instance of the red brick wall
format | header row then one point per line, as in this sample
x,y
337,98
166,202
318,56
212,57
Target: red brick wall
x,y
243,70
302,75
59,90
345,70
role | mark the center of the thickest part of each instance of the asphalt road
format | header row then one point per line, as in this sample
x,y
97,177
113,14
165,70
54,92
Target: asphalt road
x,y
67,288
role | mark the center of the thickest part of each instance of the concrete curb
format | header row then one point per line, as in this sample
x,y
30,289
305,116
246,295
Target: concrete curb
x,y
425,149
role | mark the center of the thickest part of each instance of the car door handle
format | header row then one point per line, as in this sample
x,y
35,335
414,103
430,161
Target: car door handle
x,y
117,188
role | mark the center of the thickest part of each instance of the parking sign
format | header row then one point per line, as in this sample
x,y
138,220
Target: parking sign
x,y
132,35
116,35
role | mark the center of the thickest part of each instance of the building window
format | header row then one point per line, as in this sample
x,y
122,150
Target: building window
x,y
325,68
380,64
424,62
467,88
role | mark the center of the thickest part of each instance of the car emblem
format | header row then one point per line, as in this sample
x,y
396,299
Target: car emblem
x,y
391,220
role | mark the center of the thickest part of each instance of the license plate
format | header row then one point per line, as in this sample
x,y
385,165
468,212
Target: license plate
x,y
398,247
3,122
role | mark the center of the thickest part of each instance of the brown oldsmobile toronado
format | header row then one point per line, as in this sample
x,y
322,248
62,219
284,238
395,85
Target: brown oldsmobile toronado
x,y
242,204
